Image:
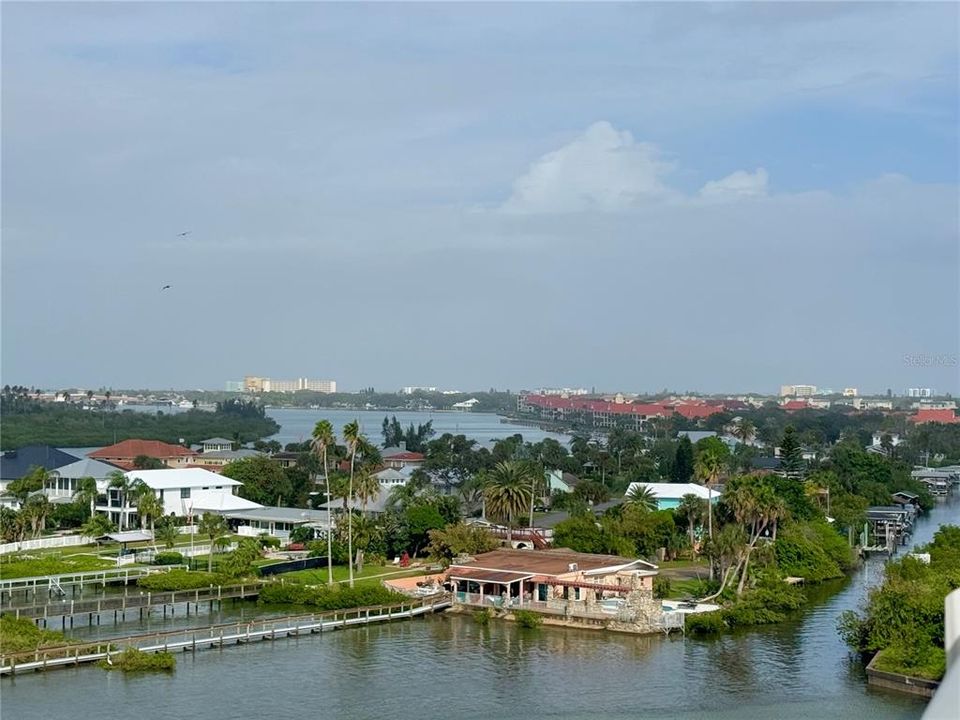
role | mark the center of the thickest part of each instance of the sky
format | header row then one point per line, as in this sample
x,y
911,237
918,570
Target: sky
x,y
712,197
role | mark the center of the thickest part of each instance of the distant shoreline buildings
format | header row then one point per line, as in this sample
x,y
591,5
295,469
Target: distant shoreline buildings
x,y
256,384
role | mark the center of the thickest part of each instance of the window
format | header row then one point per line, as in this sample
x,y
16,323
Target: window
x,y
184,493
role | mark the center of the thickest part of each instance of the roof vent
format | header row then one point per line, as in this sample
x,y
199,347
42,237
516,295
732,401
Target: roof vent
x,y
572,567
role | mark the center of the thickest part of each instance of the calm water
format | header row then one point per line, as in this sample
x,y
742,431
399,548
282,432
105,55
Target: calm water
x,y
449,666
296,424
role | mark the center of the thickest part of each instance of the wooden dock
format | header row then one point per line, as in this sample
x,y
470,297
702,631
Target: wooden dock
x,y
192,639
144,602
57,584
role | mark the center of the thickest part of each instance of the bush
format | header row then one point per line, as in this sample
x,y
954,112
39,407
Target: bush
x,y
22,635
708,623
482,617
813,551
527,618
324,598
180,580
134,660
661,587
168,558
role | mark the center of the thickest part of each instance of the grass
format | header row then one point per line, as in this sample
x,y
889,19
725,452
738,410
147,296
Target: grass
x,y
682,589
52,565
341,574
683,564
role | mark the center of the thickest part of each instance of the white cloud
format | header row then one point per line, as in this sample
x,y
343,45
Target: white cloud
x,y
603,169
741,184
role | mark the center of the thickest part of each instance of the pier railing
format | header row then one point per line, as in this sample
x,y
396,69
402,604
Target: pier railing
x,y
191,639
89,577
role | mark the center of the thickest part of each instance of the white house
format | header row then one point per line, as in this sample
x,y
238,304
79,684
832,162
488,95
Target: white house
x,y
184,491
668,495
62,482
466,405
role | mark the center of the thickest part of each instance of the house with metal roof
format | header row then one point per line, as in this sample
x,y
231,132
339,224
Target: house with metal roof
x,y
62,482
275,521
16,464
217,444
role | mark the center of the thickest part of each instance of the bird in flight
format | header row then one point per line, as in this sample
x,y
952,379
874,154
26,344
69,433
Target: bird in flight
x,y
165,287
183,234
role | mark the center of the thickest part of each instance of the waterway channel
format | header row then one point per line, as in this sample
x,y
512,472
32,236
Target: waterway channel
x,y
450,666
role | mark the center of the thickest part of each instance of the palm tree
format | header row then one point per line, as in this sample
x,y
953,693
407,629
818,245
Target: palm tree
x,y
36,510
508,491
87,492
168,533
149,507
707,468
366,487
642,497
744,430
323,440
213,526
354,438
756,507
122,484
691,508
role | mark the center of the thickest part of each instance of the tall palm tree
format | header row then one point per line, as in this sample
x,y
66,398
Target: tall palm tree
x,y
323,440
120,482
707,468
87,492
214,527
354,438
36,510
756,507
508,491
149,507
641,496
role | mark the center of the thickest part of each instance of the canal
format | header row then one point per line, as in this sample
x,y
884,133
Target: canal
x,y
450,666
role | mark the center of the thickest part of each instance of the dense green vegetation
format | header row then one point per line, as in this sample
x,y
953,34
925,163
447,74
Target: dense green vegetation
x,y
330,598
771,601
22,635
134,660
182,580
904,618
68,425
527,618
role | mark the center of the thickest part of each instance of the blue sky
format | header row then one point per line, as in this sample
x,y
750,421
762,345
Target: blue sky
x,y
623,196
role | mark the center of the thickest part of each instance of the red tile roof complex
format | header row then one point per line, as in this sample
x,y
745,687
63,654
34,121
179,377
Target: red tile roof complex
x,y
688,409
409,456
130,449
795,405
925,415
536,562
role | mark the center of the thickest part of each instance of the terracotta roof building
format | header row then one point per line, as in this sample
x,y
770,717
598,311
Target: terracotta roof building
x,y
123,453
925,415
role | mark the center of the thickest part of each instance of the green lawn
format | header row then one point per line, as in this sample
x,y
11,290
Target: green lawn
x,y
369,573
684,564
53,565
682,589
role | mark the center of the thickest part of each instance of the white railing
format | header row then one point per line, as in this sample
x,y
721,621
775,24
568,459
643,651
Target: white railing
x,y
946,700
45,543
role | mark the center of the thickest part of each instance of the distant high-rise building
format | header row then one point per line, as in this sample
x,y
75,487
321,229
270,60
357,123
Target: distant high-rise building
x,y
797,390
411,389
255,384
849,392
921,392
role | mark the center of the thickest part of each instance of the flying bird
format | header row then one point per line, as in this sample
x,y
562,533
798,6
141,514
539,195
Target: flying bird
x,y
183,234
165,287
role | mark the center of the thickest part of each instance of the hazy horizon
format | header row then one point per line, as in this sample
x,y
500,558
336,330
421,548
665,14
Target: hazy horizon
x,y
475,196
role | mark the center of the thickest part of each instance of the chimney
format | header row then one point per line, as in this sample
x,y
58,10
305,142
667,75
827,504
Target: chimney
x,y
572,567
403,445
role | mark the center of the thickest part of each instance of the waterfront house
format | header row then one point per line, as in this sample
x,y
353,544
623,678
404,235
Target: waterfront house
x,y
16,464
217,444
275,521
183,491
669,495
214,460
62,482
398,457
123,454
562,481
570,586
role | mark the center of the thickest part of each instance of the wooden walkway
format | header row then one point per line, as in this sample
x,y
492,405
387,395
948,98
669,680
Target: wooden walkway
x,y
192,639
139,600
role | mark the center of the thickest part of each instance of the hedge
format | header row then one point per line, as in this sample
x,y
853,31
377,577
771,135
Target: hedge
x,y
182,580
324,598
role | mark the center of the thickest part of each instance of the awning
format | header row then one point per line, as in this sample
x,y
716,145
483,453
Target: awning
x,y
126,537
502,577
